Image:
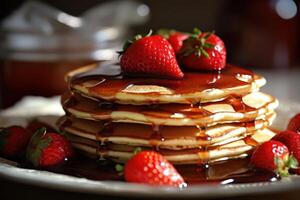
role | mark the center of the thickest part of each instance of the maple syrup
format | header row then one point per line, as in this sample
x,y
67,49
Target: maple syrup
x,y
225,172
110,81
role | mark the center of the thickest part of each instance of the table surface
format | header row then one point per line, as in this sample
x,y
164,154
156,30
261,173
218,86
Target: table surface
x,y
283,85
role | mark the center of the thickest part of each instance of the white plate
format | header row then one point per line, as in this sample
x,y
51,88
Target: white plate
x,y
69,183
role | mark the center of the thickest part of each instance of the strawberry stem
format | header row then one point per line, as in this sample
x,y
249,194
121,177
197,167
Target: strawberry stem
x,y
284,164
137,150
197,43
166,32
119,168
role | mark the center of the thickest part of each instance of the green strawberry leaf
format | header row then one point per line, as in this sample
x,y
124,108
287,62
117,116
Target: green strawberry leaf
x,y
137,150
292,162
34,150
197,45
165,32
119,168
284,164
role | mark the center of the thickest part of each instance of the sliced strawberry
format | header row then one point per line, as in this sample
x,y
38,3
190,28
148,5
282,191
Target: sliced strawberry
x,y
48,149
149,167
13,141
273,156
203,51
150,56
294,124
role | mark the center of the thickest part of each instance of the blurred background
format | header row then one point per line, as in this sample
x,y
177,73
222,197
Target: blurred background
x,y
41,40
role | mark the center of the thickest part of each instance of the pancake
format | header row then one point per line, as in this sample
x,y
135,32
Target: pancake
x,y
105,81
121,153
231,109
207,116
167,137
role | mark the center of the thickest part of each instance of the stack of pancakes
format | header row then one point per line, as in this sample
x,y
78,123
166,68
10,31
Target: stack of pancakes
x,y
203,118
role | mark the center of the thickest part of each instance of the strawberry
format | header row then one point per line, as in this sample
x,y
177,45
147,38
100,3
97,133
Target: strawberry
x,y
292,140
13,141
204,51
294,123
273,156
175,38
48,149
150,56
150,167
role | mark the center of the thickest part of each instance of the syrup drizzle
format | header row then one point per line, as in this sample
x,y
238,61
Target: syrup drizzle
x,y
104,109
108,84
156,137
102,144
201,135
107,80
250,141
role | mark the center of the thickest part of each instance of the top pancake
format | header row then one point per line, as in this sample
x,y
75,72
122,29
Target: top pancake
x,y
105,81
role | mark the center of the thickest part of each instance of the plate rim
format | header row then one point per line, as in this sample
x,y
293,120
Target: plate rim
x,y
63,182
116,188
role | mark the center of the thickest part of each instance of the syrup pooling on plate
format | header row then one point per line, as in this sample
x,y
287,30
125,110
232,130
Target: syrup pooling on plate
x,y
225,172
107,80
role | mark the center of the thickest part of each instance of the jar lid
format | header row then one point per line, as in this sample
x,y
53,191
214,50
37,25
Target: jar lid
x,y
37,31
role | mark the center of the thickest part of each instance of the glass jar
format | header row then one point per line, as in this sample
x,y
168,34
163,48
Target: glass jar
x,y
40,44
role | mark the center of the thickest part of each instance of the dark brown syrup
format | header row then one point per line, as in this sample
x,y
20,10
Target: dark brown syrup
x,y
107,80
225,172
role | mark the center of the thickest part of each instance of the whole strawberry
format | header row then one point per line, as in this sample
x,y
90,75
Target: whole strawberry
x,y
13,141
273,156
292,140
149,167
204,51
176,40
294,123
48,149
150,56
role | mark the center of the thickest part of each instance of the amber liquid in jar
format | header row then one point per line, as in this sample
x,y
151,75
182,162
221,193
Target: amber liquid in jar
x,y
39,78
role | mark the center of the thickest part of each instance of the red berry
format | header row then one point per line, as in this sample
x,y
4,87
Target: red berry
x,y
294,123
149,167
176,40
48,149
292,140
204,51
13,141
152,56
273,156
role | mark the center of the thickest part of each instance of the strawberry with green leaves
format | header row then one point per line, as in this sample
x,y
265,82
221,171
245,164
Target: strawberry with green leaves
x,y
203,51
151,55
292,140
273,156
48,149
174,37
13,141
150,167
